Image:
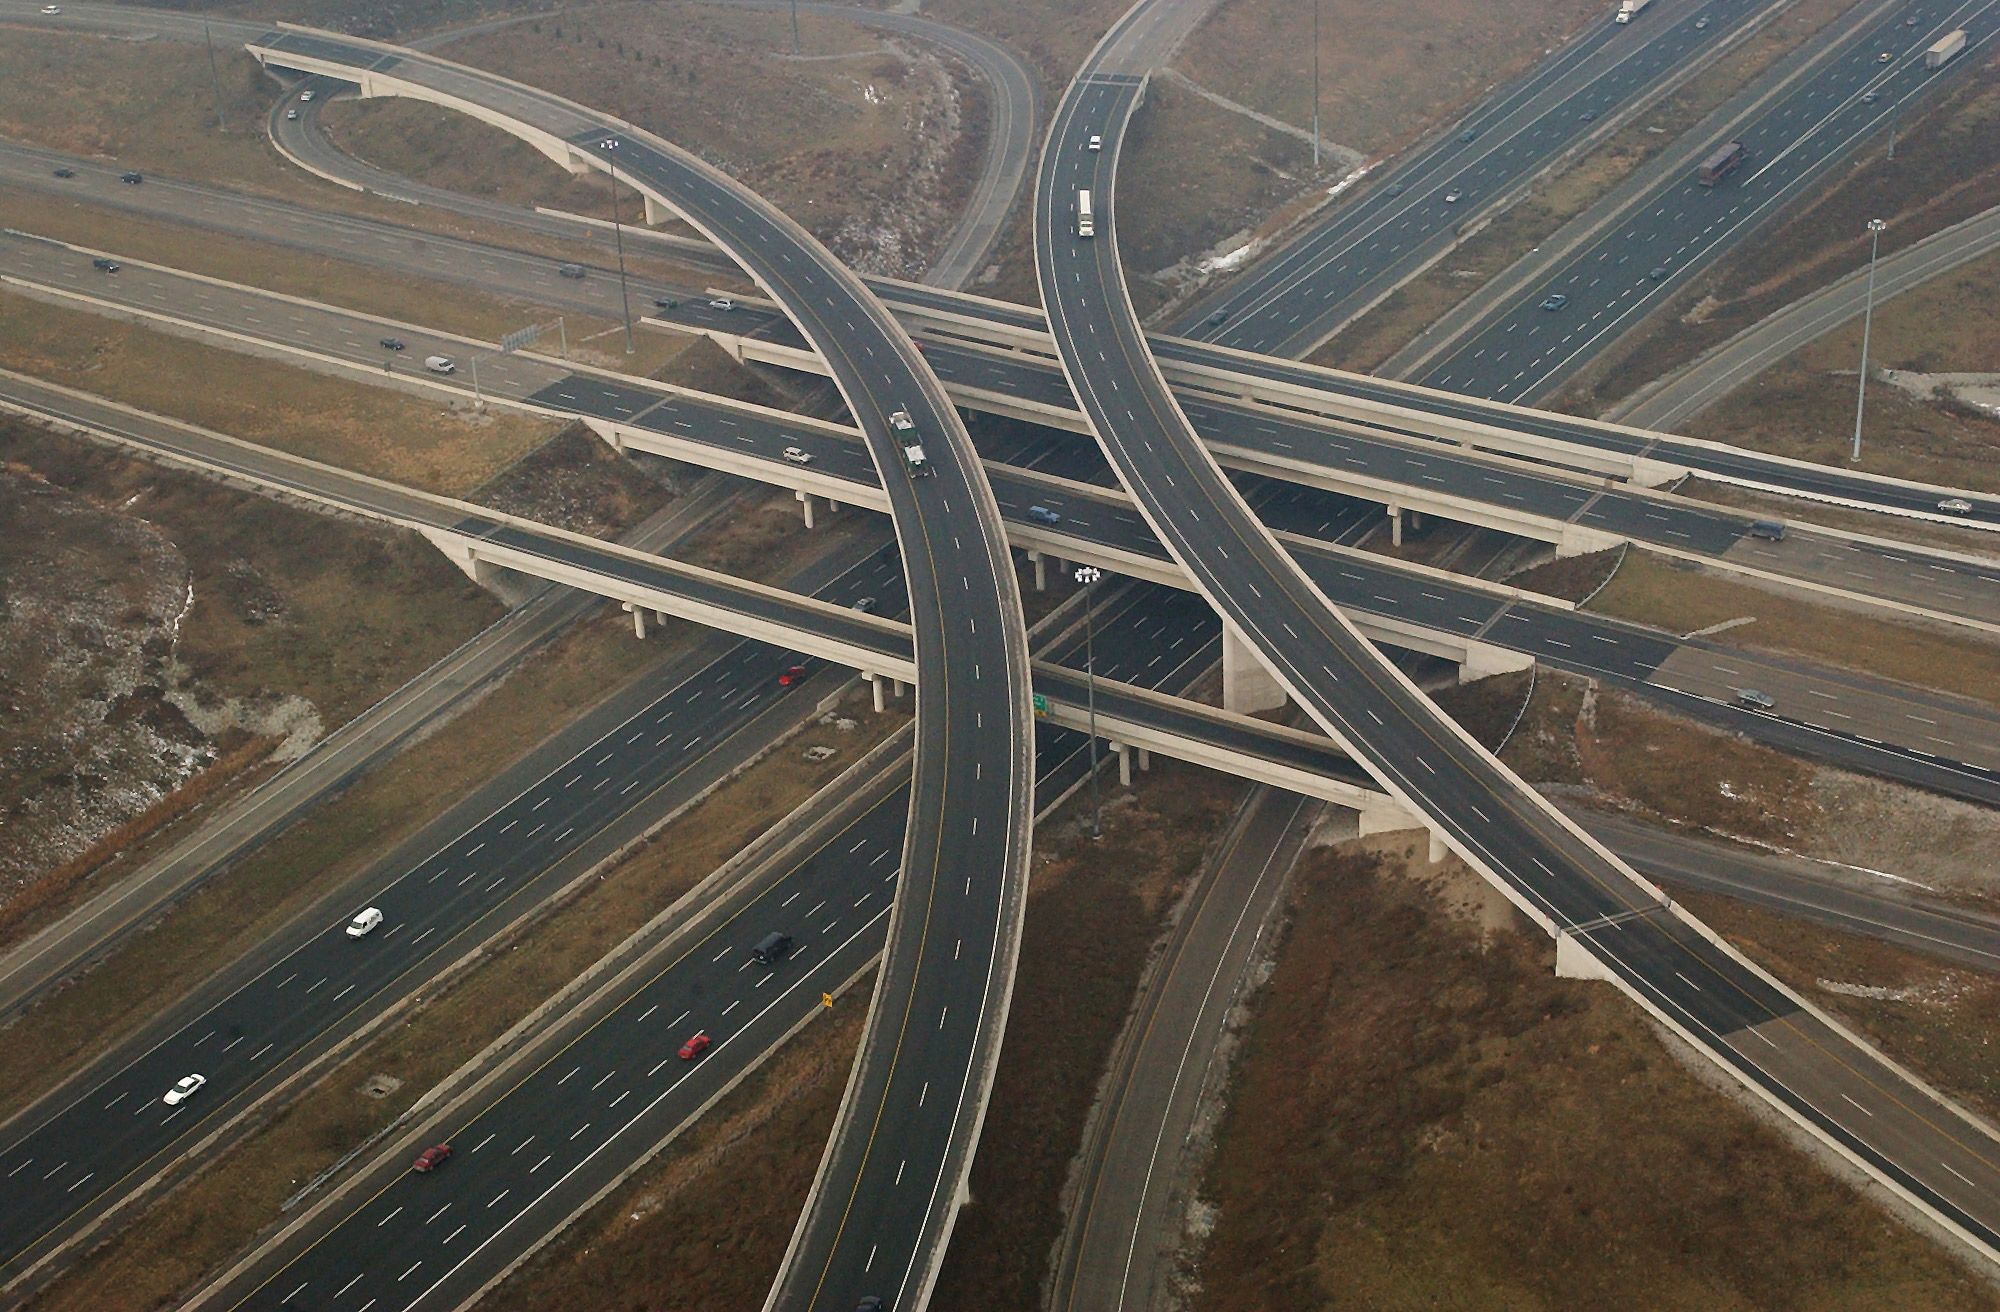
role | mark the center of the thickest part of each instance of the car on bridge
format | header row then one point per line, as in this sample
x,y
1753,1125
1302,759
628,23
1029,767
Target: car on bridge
x,y
184,1088
797,456
794,676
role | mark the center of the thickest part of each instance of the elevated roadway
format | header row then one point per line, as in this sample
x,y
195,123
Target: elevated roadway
x,y
1608,922
1863,724
956,931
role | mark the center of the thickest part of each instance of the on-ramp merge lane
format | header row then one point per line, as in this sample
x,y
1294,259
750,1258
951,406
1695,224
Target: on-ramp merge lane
x,y
1613,922
890,1185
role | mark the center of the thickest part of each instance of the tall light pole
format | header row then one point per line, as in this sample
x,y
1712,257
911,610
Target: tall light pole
x,y
609,146
1088,575
1315,86
1875,227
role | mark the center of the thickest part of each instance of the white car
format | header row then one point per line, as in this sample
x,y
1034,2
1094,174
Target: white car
x,y
795,456
52,9
365,922
184,1089
1095,143
1955,506
305,95
721,303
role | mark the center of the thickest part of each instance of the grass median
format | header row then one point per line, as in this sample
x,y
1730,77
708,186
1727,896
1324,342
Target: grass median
x,y
1650,590
438,445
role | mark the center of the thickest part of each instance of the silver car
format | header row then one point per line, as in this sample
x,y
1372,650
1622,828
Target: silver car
x,y
184,1089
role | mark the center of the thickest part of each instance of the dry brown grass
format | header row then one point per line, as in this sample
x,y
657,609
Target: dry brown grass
x,y
389,434
1937,1019
1388,71
1804,407
1653,591
575,481
201,1226
1569,577
1193,174
1427,1118
437,305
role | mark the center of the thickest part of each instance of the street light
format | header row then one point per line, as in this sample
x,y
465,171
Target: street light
x,y
1875,227
609,145
1315,86
1088,575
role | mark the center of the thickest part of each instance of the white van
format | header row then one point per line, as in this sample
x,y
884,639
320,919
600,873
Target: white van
x,y
364,923
440,364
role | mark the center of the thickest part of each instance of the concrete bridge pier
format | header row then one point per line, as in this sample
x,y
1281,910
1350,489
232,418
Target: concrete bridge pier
x,y
1247,683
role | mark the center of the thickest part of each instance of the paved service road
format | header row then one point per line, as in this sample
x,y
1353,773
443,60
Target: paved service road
x,y
1689,391
1607,920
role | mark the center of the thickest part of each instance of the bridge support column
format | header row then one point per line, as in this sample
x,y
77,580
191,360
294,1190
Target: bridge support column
x,y
875,686
658,213
638,619
1247,684
806,505
1145,758
1041,571
1124,755
1386,816
1438,850
896,689
1483,659
462,554
1574,961
1395,524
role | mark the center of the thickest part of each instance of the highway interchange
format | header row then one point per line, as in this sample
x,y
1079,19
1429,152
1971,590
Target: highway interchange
x,y
1757,1004
1574,888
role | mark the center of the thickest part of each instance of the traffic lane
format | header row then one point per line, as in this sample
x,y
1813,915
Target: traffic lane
x,y
1899,1128
1793,886
81,1151
1684,225
942,955
1911,574
523,1157
336,333
406,1235
1236,571
1875,710
1483,159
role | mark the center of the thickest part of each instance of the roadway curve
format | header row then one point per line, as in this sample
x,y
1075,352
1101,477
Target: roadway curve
x,y
955,931
1609,922
1720,370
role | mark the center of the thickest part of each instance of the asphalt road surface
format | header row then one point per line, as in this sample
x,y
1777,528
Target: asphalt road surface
x,y
540,1147
1720,371
1528,347
1290,301
1736,1015
1860,723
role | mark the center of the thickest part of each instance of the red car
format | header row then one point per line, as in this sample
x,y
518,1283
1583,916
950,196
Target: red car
x,y
792,677
695,1046
431,1158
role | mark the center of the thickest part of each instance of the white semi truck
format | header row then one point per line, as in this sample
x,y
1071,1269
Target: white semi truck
x,y
1945,49
1630,9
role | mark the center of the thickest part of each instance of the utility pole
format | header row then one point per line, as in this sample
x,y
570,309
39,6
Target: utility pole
x,y
1875,227
795,26
609,146
215,79
1315,85
1088,575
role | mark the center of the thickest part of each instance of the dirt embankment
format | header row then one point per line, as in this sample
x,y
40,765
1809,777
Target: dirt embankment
x,y
160,635
1425,1116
